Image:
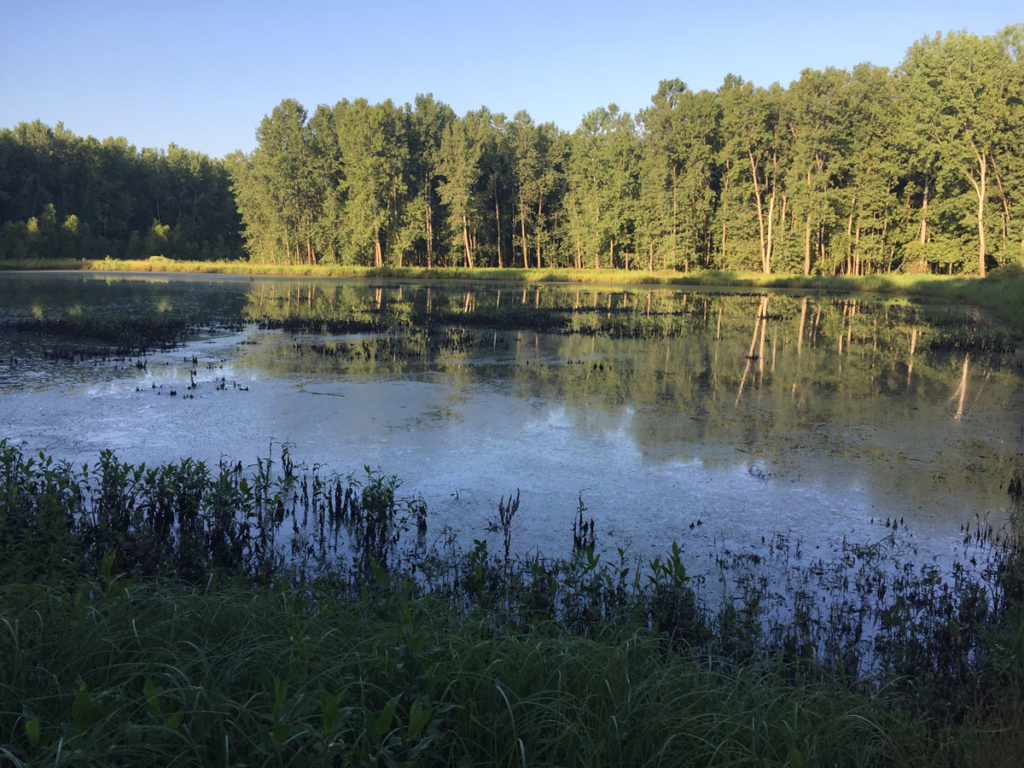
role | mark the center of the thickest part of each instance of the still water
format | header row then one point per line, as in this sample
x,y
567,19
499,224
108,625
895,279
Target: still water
x,y
713,419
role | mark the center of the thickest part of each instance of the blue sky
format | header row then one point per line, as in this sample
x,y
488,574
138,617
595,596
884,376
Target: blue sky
x,y
203,74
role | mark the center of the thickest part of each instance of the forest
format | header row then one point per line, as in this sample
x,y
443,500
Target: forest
x,y
62,196
915,169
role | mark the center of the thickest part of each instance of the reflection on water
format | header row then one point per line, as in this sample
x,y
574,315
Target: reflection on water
x,y
815,415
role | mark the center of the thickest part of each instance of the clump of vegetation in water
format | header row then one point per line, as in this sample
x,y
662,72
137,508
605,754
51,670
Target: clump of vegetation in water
x,y
197,615
83,335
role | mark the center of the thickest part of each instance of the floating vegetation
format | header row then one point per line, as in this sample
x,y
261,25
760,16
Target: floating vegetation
x,y
80,337
973,337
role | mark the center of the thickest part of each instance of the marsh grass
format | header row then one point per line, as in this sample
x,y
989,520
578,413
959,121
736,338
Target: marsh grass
x,y
189,616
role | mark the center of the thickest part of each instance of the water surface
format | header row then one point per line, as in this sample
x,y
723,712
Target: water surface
x,y
709,418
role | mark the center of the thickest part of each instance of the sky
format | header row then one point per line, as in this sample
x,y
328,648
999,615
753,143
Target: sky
x,y
203,74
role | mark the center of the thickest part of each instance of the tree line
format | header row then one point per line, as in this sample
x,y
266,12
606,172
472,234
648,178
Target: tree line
x,y
917,168
64,196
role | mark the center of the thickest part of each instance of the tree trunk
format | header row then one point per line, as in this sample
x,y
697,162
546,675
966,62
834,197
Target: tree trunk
x,y
760,211
465,242
497,223
378,254
807,231
923,239
540,203
675,216
725,189
1006,205
980,189
821,245
430,227
522,230
849,234
807,246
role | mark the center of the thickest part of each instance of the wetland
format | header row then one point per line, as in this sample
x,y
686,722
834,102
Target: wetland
x,y
716,419
414,523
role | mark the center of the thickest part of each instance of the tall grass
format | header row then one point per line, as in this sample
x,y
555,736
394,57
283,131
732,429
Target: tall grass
x,y
188,616
142,674
150,674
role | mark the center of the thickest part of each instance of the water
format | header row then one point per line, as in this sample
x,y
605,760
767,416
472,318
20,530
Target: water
x,y
713,419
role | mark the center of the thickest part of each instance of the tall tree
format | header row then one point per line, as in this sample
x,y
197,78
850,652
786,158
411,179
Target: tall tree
x,y
375,155
748,165
537,168
874,171
603,182
818,122
277,190
428,122
676,194
461,149
962,88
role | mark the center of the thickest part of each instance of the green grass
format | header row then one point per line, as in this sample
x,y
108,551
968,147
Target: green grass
x,y
143,622
138,674
151,674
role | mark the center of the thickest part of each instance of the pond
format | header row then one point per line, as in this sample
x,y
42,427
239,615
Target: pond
x,y
715,419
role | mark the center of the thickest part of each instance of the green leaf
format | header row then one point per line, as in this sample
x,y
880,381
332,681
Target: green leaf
x,y
32,731
280,694
329,712
82,708
281,732
152,697
383,722
419,716
107,567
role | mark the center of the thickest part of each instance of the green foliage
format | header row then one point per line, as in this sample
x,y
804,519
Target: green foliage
x,y
857,173
62,196
287,650
861,172
154,673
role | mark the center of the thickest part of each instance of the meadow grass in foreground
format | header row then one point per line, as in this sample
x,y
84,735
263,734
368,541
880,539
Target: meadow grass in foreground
x,y
187,616
147,674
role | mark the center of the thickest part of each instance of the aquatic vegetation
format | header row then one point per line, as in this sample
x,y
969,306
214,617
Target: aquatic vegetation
x,y
313,627
858,608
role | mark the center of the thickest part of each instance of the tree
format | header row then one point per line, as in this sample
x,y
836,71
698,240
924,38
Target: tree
x,y
749,168
460,153
818,122
427,124
536,170
873,169
963,90
112,194
677,167
375,156
274,188
603,183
